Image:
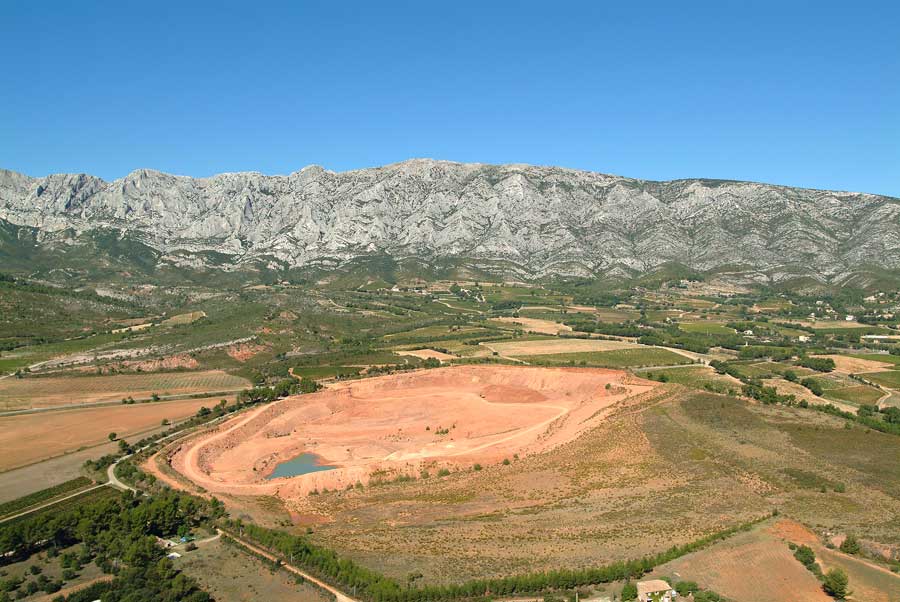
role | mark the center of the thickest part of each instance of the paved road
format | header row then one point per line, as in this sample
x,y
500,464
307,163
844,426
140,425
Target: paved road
x,y
113,480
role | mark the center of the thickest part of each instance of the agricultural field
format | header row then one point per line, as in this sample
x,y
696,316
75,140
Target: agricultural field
x,y
44,496
533,325
705,327
87,497
551,346
727,568
606,314
637,357
37,477
55,391
885,358
846,364
424,354
531,295
768,369
186,318
843,327
323,372
32,437
889,379
787,330
870,581
856,395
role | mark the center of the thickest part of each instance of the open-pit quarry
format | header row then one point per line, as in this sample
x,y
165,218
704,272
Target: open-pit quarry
x,y
400,424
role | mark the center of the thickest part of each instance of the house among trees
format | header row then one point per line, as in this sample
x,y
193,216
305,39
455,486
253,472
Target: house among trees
x,y
655,590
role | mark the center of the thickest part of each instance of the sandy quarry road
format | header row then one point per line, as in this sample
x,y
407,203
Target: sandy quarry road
x,y
192,466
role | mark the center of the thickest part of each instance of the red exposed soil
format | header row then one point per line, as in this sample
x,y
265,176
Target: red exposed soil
x,y
172,362
244,351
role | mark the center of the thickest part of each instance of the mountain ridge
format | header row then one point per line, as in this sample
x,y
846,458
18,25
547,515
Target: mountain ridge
x,y
535,220
322,168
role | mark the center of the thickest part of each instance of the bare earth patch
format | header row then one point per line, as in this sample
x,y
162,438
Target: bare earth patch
x,y
244,351
552,346
172,362
29,438
730,567
427,353
855,365
535,325
184,318
868,581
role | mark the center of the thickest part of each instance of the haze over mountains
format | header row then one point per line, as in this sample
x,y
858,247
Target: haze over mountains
x,y
521,220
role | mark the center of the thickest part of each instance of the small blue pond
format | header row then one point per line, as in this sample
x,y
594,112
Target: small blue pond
x,y
302,464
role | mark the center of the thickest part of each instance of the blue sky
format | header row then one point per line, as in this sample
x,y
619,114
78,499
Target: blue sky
x,y
797,93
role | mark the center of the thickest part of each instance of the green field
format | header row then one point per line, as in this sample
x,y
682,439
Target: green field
x,y
619,358
787,331
87,497
856,395
44,495
705,328
531,295
887,358
857,330
754,369
890,379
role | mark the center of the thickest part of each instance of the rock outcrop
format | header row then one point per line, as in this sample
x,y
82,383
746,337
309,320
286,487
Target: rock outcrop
x,y
536,220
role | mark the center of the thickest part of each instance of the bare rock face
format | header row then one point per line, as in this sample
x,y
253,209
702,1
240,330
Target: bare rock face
x,y
537,220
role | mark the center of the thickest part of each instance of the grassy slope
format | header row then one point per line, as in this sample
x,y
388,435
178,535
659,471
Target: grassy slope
x,y
639,482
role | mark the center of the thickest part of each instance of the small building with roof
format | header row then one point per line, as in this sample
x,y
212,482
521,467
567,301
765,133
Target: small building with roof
x,y
655,590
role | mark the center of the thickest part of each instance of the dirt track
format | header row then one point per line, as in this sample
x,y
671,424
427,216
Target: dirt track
x,y
402,423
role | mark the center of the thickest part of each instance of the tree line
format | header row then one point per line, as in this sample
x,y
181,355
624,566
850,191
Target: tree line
x,y
375,587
